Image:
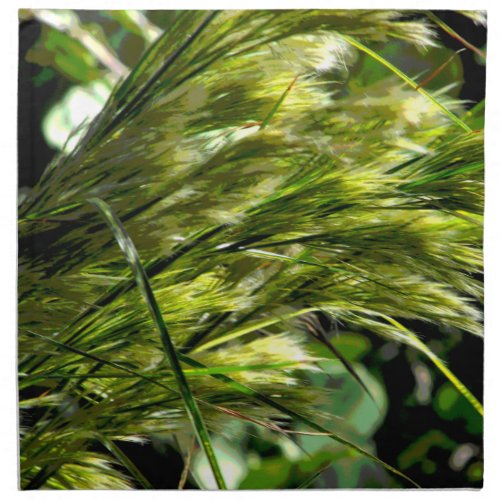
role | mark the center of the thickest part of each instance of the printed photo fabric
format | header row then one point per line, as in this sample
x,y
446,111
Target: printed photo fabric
x,y
250,249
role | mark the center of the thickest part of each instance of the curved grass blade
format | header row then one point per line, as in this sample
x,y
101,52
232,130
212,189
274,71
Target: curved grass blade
x,y
128,248
187,465
438,70
252,327
407,79
152,269
454,34
126,462
439,364
317,332
244,389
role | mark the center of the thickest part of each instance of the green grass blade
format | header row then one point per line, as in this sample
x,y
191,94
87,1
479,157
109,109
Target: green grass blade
x,y
315,476
279,102
407,79
98,359
126,462
348,366
252,327
128,248
63,209
455,35
440,365
198,372
438,70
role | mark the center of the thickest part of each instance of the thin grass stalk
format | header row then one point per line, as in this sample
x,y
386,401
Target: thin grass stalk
x,y
407,79
128,248
440,365
454,34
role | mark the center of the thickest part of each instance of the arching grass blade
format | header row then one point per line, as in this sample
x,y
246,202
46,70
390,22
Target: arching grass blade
x,y
440,365
128,248
407,79
126,462
455,35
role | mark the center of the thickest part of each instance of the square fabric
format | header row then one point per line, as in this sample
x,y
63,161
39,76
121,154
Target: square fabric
x,y
250,249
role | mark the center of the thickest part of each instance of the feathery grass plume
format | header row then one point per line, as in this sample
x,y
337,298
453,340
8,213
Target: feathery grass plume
x,y
361,203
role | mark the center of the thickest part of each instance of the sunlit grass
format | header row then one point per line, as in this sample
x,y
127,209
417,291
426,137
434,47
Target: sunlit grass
x,y
250,186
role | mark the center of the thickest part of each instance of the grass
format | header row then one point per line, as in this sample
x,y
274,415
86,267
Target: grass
x,y
262,188
140,276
